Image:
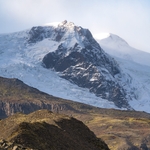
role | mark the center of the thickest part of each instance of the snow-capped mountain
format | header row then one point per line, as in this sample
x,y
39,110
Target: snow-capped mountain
x,y
93,77
79,59
23,60
118,47
134,62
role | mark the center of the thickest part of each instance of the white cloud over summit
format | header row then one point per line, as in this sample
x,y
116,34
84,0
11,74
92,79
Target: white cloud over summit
x,y
130,19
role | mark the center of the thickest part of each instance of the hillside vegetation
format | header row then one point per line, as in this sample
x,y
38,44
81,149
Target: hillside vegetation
x,y
44,130
121,130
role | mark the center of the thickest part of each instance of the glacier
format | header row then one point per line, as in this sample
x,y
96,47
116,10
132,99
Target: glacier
x,y
134,62
22,60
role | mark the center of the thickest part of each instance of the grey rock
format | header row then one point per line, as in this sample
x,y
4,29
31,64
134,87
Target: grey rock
x,y
88,66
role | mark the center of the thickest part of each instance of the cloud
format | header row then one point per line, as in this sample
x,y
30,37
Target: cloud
x,y
129,19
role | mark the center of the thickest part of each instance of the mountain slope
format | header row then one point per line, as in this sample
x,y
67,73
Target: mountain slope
x,y
46,130
134,62
80,59
70,52
118,47
71,45
15,96
119,129
23,60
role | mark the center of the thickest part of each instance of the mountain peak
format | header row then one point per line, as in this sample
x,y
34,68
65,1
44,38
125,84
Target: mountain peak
x,y
67,25
73,52
64,23
118,39
80,59
65,32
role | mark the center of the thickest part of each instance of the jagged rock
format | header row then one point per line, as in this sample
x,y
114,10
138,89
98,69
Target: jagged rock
x,y
80,59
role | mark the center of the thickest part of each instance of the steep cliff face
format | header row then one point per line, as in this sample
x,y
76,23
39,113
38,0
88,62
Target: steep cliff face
x,y
15,96
8,108
80,59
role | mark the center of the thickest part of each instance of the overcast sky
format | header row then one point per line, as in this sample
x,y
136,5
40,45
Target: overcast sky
x,y
129,19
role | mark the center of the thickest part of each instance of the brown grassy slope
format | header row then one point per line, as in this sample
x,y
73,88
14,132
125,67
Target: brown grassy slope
x,y
44,130
127,133
15,96
119,129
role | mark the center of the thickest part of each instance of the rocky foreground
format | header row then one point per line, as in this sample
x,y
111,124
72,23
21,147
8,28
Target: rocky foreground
x,y
121,130
44,130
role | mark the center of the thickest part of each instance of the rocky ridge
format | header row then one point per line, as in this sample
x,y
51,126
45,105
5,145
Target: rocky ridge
x,y
71,52
81,60
45,130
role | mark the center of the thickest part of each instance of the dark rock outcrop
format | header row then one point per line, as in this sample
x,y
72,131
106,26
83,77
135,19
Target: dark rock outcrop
x,y
39,33
84,63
